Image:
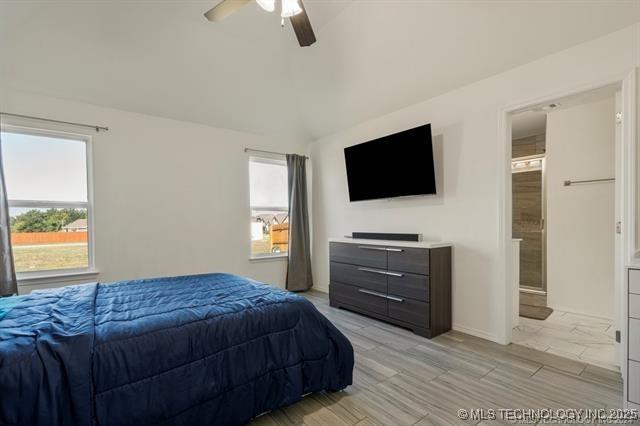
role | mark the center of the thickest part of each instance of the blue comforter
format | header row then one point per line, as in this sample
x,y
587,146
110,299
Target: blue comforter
x,y
192,350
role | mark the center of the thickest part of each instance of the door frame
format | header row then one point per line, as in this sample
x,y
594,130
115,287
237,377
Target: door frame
x,y
625,203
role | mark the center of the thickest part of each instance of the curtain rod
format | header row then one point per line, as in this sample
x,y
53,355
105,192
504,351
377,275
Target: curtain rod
x,y
267,152
49,120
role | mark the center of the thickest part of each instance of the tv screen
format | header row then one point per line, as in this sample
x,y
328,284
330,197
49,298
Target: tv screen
x,y
397,165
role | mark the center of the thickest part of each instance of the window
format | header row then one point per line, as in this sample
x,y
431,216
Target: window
x,y
47,185
269,207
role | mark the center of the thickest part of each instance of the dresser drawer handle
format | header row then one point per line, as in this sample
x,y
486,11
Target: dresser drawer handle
x,y
378,271
372,293
394,249
373,271
372,248
395,299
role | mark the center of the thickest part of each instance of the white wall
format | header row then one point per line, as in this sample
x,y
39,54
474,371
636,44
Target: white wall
x,y
469,166
170,197
580,218
157,180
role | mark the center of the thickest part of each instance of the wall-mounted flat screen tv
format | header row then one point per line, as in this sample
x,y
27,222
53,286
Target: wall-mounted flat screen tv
x,y
397,165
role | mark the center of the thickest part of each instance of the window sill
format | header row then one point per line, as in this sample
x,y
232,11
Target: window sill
x,y
70,277
269,258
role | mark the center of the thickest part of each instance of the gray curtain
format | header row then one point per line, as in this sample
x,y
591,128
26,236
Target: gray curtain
x,y
299,266
8,282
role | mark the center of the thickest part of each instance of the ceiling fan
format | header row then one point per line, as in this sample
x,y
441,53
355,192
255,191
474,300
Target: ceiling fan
x,y
292,9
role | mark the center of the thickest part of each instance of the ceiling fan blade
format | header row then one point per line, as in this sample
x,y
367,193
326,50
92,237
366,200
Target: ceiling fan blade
x,y
302,27
224,9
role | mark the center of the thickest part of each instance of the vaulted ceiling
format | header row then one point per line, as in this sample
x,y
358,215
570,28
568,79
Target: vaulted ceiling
x,y
247,73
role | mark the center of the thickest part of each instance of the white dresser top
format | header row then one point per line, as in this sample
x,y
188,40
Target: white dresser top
x,y
419,244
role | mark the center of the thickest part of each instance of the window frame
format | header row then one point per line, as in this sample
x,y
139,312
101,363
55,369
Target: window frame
x,y
267,159
88,205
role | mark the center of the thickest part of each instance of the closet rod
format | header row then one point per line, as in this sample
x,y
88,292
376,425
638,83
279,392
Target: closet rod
x,y
572,182
49,120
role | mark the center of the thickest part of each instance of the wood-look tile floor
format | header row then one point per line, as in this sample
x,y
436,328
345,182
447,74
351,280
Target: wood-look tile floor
x,y
404,379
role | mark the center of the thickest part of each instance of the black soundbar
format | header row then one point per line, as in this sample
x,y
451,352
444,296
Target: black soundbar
x,y
384,236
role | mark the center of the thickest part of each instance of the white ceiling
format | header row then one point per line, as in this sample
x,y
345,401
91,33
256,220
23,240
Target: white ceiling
x,y
246,73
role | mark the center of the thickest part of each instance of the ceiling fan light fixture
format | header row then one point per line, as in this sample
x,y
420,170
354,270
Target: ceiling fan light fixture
x,y
268,5
290,8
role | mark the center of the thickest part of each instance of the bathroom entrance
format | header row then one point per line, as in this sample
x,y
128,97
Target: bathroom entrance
x,y
563,184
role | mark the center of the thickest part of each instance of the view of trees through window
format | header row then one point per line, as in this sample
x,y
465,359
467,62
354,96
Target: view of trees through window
x,y
51,220
49,239
46,179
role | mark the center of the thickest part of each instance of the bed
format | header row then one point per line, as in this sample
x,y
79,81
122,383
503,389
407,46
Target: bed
x,y
201,349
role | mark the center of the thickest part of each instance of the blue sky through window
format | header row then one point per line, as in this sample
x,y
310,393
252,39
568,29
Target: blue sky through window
x,y
44,168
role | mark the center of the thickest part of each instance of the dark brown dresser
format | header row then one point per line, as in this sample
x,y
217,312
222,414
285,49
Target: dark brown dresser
x,y
404,283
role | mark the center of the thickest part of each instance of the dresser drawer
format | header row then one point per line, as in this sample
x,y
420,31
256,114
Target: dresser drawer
x,y
634,281
362,298
410,311
634,382
634,306
412,260
634,339
361,276
408,285
359,254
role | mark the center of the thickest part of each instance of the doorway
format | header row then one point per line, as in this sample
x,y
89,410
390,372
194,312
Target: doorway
x,y
564,210
528,194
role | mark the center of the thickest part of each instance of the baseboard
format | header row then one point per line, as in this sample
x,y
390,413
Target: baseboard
x,y
477,333
321,289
